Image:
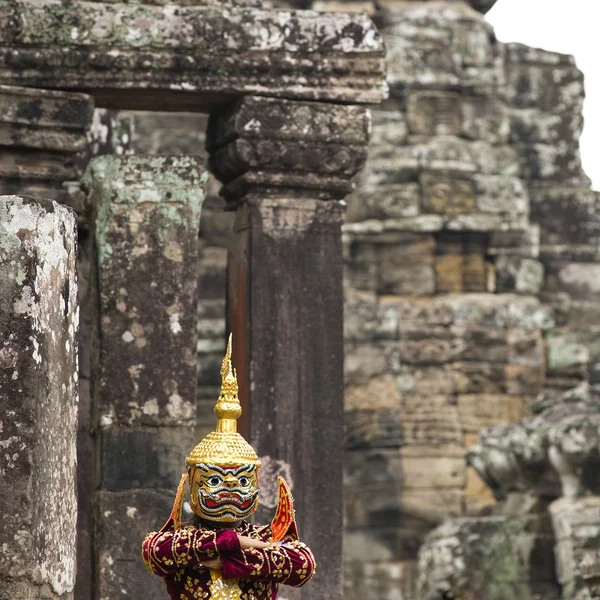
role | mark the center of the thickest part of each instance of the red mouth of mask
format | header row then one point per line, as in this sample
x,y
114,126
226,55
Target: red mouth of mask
x,y
228,499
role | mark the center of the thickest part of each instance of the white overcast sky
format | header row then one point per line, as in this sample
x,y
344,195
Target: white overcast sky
x,y
569,27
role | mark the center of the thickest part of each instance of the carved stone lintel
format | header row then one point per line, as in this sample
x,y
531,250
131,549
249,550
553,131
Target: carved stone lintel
x,y
284,147
190,57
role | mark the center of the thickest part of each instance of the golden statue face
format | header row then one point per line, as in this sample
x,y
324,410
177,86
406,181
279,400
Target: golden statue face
x,y
224,494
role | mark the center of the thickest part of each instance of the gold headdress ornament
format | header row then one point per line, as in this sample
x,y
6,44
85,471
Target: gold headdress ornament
x,y
225,446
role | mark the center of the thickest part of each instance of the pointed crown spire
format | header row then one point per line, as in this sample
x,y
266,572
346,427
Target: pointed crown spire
x,y
225,446
228,408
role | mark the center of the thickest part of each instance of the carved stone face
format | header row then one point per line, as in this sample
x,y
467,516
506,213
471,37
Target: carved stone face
x,y
223,494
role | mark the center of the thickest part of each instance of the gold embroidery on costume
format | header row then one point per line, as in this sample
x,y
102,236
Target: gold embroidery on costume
x,y
224,589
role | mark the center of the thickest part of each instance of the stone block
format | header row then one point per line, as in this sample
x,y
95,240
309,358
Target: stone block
x,y
459,343
521,243
583,315
500,194
454,51
47,120
265,143
434,113
447,193
133,459
380,428
372,394
449,273
366,319
389,128
432,348
534,126
567,216
580,280
366,360
386,201
485,118
457,273
526,347
544,80
524,379
482,344
418,311
430,421
404,267
39,318
433,506
426,381
498,310
417,279
519,274
486,222
566,351
433,472
561,163
390,578
478,411
478,377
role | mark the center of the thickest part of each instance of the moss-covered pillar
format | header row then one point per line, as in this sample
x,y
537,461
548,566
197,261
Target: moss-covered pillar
x,y
38,399
286,168
146,216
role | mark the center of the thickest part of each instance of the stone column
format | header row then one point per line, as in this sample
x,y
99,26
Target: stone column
x,y
286,167
38,396
577,529
41,132
146,215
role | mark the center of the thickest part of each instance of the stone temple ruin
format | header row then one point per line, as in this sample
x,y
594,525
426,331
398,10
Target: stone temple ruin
x,y
466,260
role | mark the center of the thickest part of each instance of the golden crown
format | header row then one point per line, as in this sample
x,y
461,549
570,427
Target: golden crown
x,y
225,446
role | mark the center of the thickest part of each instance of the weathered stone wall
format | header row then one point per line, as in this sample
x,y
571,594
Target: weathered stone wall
x,y
38,395
471,250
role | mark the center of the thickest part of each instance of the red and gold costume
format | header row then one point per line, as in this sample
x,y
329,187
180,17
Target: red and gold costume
x,y
222,471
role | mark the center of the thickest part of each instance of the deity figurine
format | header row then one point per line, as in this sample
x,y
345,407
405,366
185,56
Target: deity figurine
x,y
219,555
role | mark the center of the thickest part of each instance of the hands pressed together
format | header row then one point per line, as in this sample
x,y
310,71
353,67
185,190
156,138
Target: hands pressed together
x,y
245,543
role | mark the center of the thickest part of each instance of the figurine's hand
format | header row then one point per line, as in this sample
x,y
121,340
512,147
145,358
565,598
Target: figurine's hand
x,y
213,563
248,542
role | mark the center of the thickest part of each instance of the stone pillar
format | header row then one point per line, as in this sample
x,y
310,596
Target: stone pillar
x,y
38,395
286,166
577,530
41,131
146,215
